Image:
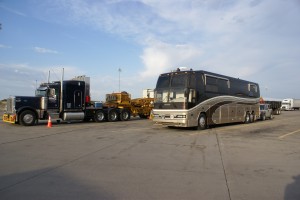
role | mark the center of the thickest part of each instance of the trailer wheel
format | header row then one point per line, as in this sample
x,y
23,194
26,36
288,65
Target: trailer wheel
x,y
27,118
112,115
125,115
202,122
99,116
247,118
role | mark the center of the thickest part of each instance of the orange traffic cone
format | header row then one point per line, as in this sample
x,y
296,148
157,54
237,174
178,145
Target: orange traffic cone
x,y
49,123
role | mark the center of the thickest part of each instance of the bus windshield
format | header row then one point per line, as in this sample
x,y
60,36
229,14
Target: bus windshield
x,y
170,95
176,80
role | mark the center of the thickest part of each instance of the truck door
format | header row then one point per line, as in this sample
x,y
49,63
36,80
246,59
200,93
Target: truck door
x,y
53,98
77,99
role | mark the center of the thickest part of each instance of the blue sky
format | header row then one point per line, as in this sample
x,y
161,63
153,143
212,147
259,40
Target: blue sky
x,y
256,40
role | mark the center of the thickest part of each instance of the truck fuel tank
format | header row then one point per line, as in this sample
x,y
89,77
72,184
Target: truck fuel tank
x,y
44,103
73,116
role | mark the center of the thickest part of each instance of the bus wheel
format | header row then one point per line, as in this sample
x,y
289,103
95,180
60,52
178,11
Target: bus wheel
x,y
202,123
125,115
99,116
27,118
247,118
112,115
251,117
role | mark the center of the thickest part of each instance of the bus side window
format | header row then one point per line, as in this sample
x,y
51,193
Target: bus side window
x,y
223,85
211,84
252,88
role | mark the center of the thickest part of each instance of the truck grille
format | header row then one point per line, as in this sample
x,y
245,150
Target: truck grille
x,y
10,106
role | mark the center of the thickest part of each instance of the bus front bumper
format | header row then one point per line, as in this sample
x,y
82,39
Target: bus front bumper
x,y
169,120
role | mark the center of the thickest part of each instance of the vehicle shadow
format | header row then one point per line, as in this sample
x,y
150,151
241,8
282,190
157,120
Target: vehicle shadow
x,y
292,190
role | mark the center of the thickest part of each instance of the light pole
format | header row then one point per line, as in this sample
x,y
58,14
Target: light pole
x,y
119,79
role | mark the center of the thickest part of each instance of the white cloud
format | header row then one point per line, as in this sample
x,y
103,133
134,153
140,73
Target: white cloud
x,y
160,57
237,38
44,50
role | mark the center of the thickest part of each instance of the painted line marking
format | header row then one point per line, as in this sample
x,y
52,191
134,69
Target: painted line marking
x,y
291,133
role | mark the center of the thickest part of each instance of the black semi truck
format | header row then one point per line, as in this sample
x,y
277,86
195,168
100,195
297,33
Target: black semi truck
x,y
61,100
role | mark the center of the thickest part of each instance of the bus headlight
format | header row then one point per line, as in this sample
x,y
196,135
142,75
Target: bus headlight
x,y
181,116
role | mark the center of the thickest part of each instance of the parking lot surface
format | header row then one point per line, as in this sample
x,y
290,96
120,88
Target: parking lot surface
x,y
139,160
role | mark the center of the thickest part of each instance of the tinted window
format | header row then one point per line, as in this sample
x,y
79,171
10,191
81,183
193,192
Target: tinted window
x,y
179,80
193,81
211,84
223,86
163,81
253,90
211,80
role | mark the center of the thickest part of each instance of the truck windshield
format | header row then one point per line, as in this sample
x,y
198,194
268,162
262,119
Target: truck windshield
x,y
41,92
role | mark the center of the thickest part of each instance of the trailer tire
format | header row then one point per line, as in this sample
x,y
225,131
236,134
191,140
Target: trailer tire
x,y
27,118
112,115
125,115
202,122
99,116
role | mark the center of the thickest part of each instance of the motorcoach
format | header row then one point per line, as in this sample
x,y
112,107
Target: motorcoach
x,y
188,98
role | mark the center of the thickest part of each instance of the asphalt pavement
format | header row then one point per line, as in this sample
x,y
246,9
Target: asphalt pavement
x,y
139,160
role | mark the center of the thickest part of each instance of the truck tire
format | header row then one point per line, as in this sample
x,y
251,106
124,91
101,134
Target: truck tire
x,y
99,116
125,115
271,116
112,115
202,122
263,117
27,118
247,118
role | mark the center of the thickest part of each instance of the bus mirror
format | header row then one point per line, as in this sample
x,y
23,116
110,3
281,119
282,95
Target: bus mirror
x,y
192,95
186,92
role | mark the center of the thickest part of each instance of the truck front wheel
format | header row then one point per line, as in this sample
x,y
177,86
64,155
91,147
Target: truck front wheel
x,y
27,118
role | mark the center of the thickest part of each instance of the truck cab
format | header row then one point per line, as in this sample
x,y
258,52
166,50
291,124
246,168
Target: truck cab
x,y
265,112
48,101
